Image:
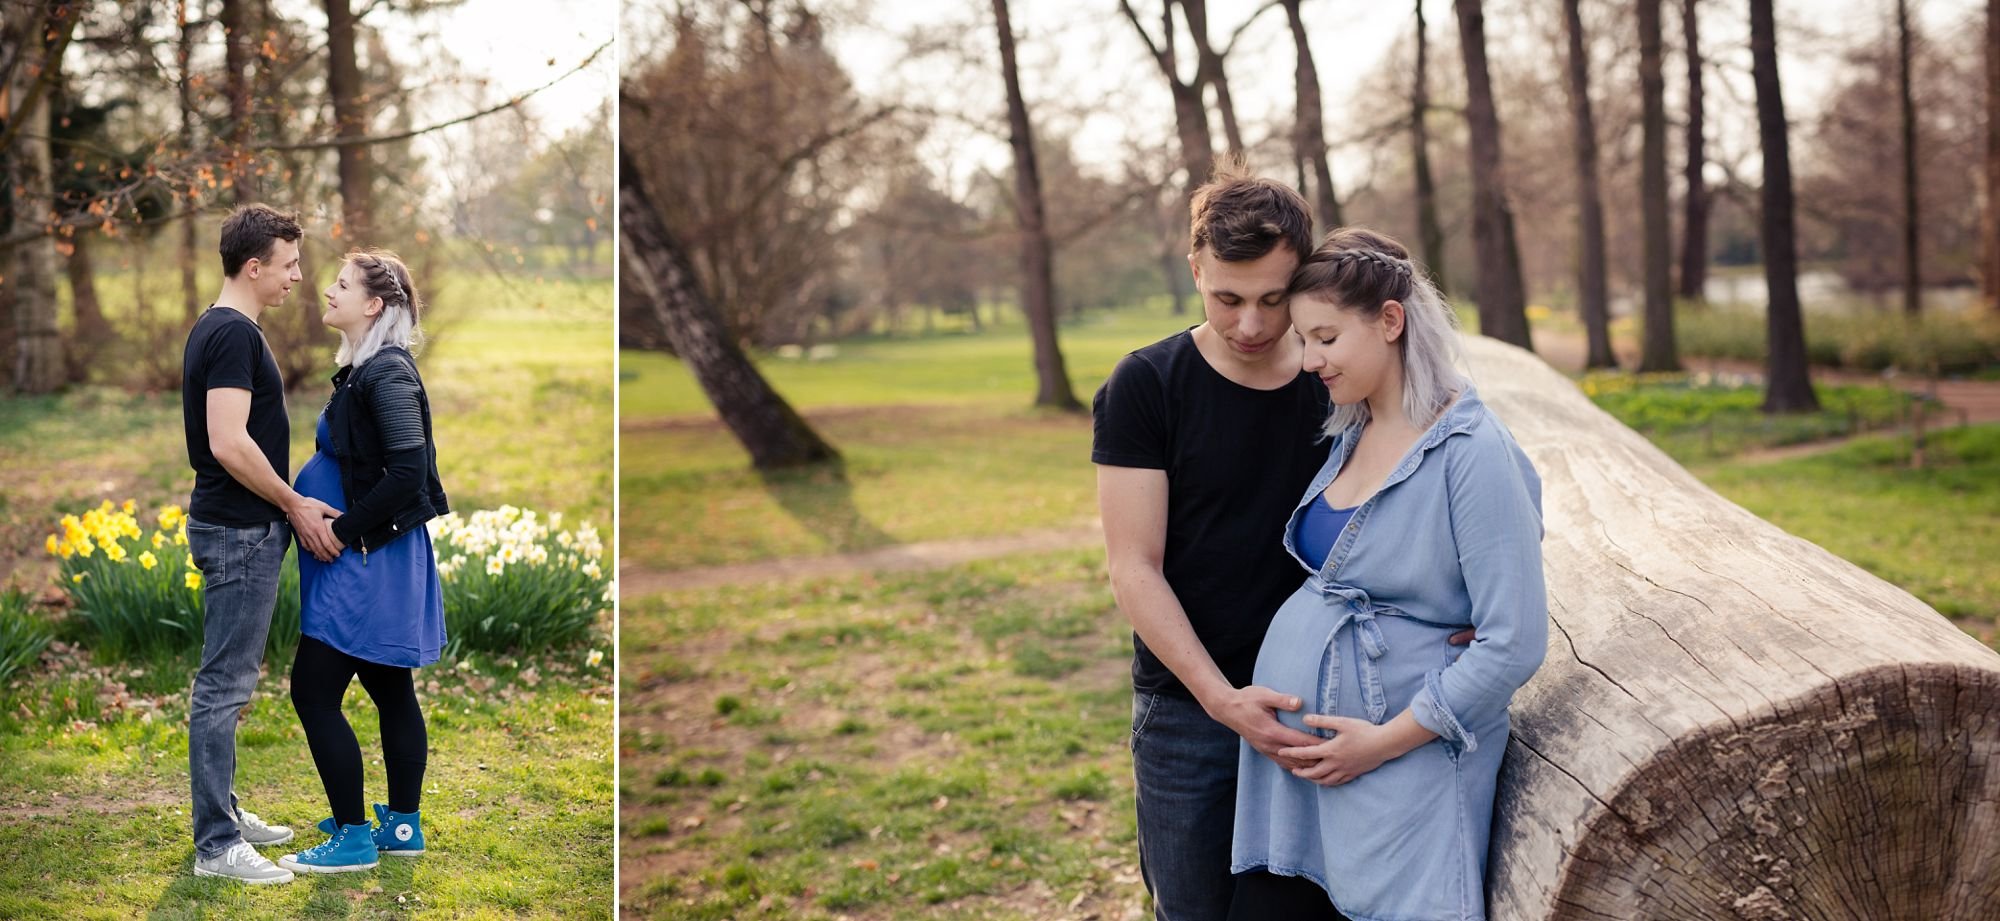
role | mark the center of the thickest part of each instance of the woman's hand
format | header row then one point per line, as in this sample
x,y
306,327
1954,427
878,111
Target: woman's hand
x,y
1357,747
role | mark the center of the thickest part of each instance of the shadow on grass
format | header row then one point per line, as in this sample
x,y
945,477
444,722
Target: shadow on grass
x,y
821,499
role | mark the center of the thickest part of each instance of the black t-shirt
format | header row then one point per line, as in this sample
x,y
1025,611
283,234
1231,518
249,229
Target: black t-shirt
x,y
1236,460
227,349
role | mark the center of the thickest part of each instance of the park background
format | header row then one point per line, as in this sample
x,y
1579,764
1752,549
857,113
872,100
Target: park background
x,y
475,143
871,663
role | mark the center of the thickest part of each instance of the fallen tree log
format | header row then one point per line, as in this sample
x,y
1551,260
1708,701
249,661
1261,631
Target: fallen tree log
x,y
1732,722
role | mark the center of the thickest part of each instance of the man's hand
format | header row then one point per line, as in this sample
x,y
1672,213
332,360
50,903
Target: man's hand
x,y
1462,638
311,521
1250,713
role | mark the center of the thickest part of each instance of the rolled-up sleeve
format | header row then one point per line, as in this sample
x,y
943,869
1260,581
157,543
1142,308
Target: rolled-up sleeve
x,y
1495,503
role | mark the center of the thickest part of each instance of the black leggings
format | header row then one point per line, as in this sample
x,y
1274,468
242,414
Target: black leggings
x,y
1261,895
320,676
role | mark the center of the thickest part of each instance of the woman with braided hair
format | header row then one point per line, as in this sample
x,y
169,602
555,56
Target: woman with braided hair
x,y
376,610
1425,520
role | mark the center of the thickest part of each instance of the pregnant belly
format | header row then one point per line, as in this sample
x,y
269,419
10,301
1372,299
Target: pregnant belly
x,y
1303,656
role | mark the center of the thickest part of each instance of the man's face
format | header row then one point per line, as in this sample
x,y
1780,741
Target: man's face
x,y
273,277
1244,302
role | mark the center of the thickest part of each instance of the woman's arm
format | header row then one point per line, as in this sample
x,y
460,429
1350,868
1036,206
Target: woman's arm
x,y
395,402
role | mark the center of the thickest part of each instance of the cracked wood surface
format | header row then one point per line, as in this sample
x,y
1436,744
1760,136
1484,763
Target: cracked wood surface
x,y
1732,722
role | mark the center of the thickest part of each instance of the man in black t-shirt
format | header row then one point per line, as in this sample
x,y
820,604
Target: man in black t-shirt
x,y
1204,442
241,517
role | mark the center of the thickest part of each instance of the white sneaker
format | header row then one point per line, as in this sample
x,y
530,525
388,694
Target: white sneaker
x,y
243,864
259,834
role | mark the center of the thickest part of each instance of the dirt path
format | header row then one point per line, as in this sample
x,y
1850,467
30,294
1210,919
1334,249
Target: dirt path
x,y
634,581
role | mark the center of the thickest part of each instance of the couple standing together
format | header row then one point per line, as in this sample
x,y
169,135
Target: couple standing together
x,y
1329,551
370,600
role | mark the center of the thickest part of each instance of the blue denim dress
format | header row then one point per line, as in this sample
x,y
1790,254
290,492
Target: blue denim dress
x,y
1451,540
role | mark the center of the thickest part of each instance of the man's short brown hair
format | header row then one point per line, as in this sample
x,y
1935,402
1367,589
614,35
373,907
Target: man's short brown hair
x,y
1241,217
249,232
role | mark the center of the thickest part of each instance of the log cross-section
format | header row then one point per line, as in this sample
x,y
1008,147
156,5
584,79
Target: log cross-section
x,y
1732,723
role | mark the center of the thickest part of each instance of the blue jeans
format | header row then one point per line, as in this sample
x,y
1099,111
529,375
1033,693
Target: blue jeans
x,y
1185,767
239,591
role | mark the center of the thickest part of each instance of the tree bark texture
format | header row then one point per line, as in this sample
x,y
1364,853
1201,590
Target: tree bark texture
x,y
774,434
1190,113
1037,265
38,352
1731,724
93,331
1913,296
1593,297
236,58
1788,380
1309,135
190,249
1657,351
350,121
1990,279
1430,232
1694,218
1503,306
1195,12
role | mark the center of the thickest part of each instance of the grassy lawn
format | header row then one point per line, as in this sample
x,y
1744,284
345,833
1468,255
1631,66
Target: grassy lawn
x,y
519,796
942,745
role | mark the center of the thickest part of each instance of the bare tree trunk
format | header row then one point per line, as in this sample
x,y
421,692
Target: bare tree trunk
x,y
1309,135
1657,351
1694,223
768,427
1990,279
1037,279
1592,295
1210,64
1788,381
1430,232
236,56
1503,307
1913,298
38,347
1190,114
92,332
190,290
343,84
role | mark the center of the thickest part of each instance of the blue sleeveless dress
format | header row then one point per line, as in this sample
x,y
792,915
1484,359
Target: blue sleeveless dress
x,y
386,607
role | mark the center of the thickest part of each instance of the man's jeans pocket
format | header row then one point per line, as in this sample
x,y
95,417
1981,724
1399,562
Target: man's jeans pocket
x,y
210,549
1142,712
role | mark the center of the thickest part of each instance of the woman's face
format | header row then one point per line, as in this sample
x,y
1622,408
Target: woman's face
x,y
1352,354
349,306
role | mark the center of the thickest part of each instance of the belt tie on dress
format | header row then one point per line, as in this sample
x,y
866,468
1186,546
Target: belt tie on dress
x,y
1360,611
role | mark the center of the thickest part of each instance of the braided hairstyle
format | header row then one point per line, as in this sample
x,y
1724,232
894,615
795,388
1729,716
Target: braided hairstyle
x,y
382,274
1359,270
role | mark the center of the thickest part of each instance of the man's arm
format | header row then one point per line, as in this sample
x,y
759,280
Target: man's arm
x,y
229,440
1133,503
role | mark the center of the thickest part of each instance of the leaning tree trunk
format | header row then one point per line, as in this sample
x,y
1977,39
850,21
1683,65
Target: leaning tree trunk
x,y
1037,271
1788,380
1913,298
1309,135
343,84
768,427
38,352
1732,724
1592,290
1503,301
1694,219
1430,232
1657,352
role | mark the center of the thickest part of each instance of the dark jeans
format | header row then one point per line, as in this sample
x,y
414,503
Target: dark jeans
x,y
239,590
320,676
1185,767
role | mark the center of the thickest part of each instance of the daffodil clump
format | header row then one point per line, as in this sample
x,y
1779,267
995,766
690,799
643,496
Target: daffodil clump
x,y
514,579
136,586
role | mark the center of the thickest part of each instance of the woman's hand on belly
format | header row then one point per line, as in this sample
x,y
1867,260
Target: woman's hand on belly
x,y
1357,747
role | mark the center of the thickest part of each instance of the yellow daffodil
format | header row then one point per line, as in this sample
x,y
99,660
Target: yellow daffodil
x,y
52,545
193,580
78,577
115,552
129,506
147,561
159,540
84,546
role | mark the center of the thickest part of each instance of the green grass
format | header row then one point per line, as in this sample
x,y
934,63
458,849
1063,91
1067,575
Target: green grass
x,y
1931,531
517,797
943,745
1697,417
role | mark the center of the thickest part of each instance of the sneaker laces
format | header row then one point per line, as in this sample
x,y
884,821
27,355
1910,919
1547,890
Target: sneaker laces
x,y
241,854
246,817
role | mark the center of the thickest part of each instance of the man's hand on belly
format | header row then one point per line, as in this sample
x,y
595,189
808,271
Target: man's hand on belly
x,y
1251,713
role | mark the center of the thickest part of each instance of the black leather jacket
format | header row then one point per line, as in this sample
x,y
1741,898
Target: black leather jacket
x,y
380,422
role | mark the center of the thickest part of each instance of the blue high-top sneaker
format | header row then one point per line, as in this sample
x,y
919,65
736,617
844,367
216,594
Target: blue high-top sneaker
x,y
397,834
351,848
